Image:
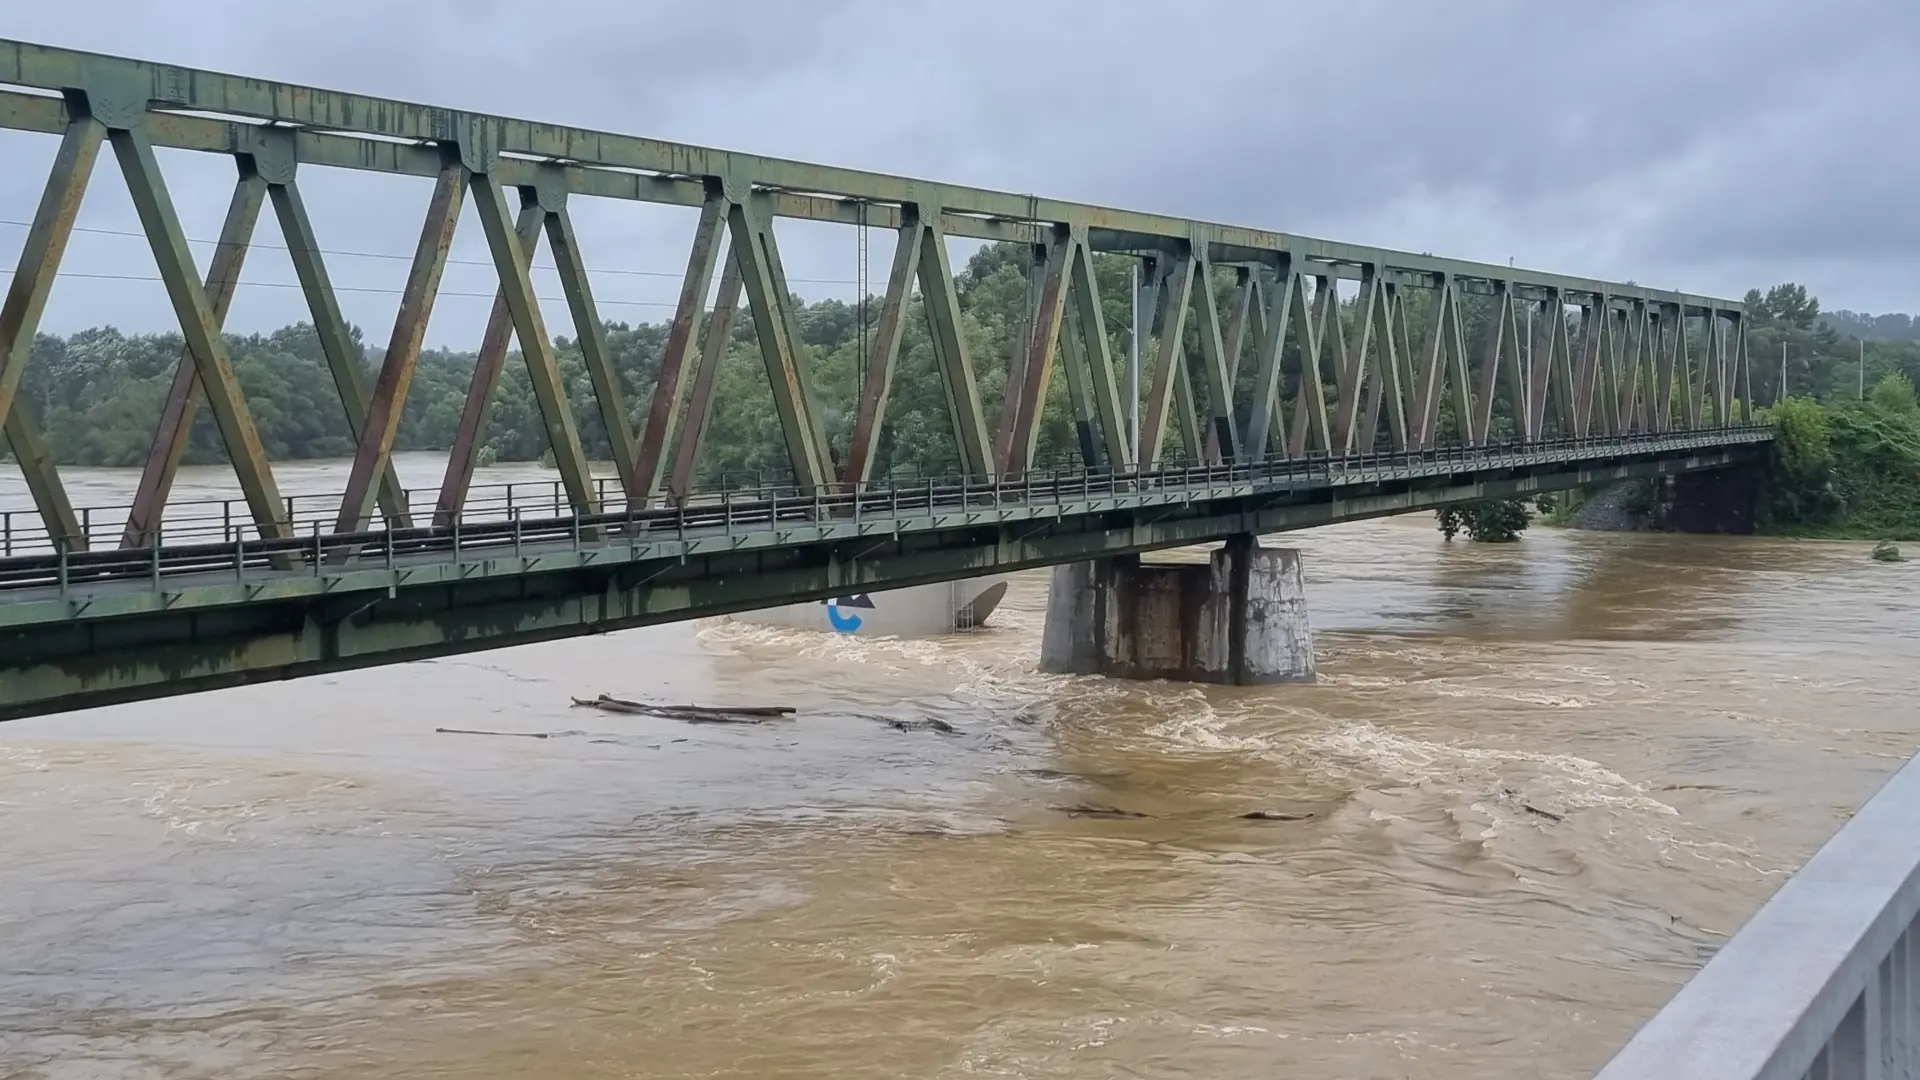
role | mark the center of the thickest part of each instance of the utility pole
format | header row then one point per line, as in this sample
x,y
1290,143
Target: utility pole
x,y
1780,392
1133,357
1863,369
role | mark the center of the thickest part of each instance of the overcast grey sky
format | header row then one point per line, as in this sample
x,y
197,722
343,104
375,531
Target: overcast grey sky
x,y
1710,145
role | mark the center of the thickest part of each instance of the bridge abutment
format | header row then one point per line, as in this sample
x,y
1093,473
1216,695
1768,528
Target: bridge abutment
x,y
1240,618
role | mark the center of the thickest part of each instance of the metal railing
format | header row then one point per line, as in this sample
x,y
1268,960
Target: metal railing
x,y
1821,983
510,518
22,532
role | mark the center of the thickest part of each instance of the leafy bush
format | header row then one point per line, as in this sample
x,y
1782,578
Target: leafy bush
x,y
1495,521
1850,467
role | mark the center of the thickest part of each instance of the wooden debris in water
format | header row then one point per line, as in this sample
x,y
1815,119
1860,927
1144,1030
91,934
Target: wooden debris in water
x,y
928,724
1548,814
507,734
1273,815
692,714
1094,811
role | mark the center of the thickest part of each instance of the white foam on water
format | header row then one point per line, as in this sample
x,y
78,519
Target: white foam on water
x,y
1718,853
26,757
1190,722
1524,697
1574,781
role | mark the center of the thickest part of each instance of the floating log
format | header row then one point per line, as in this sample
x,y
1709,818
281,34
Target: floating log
x,y
693,714
1273,815
507,734
1089,810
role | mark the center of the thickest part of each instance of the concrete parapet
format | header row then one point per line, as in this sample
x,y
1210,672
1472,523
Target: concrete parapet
x,y
1240,618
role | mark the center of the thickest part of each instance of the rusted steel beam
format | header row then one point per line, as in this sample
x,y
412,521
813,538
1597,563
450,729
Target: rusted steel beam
x,y
511,261
161,224
335,149
864,446
1353,379
1169,355
1085,293
683,339
1017,351
1722,387
389,400
1743,372
713,352
183,396
1246,297
1430,376
1633,395
1310,400
1539,366
1390,386
1604,405
1246,321
36,465
40,255
1490,367
1186,410
962,386
336,344
1587,374
591,333
1553,372
1668,348
1266,419
810,400
489,365
33,279
751,233
1042,341
1582,358
1332,339
1684,384
1406,355
1074,358
1619,338
1221,432
1562,385
1463,405
1334,350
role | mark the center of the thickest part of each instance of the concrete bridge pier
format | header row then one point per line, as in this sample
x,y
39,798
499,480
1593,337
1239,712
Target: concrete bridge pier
x,y
1712,500
1239,619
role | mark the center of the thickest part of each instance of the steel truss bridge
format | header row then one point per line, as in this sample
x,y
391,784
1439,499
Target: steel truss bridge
x,y
1289,410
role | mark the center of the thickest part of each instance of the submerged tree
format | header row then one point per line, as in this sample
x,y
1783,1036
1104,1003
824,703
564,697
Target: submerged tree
x,y
1493,521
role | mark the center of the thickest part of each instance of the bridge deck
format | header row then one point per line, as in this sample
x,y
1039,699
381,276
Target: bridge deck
x,y
44,587
91,628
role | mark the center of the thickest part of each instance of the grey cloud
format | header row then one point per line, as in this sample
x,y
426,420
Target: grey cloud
x,y
1712,144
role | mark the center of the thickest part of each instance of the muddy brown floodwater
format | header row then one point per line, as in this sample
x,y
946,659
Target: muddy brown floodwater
x,y
1534,789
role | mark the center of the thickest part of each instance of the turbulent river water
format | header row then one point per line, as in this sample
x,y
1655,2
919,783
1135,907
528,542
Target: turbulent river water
x,y
1535,788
